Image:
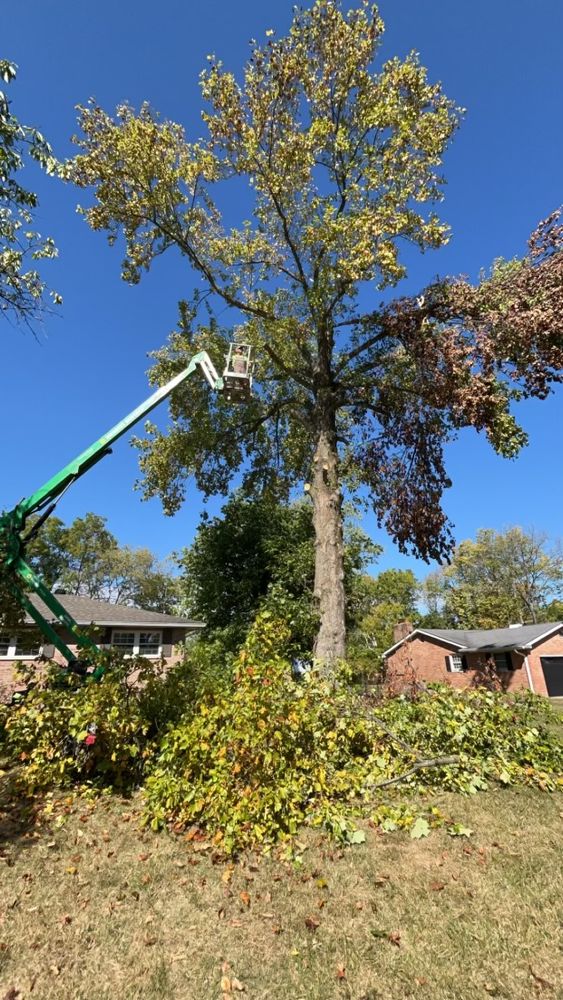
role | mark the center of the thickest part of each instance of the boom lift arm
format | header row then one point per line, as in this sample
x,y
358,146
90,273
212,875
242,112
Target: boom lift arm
x,y
13,539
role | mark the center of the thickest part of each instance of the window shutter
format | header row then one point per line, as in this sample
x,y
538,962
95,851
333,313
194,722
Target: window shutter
x,y
464,661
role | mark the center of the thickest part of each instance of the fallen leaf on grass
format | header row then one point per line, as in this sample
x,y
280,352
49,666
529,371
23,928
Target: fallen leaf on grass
x,y
244,898
437,886
311,923
150,941
143,857
420,828
380,880
395,938
340,972
67,919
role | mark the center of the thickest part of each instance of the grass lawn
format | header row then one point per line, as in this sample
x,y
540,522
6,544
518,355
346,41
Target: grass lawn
x,y
100,908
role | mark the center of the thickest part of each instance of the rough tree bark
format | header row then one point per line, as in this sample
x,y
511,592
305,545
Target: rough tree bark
x,y
329,547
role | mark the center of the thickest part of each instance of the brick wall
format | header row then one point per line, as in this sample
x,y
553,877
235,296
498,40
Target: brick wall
x,y
424,659
10,683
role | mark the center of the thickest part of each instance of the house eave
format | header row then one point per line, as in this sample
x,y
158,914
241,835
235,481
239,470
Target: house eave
x,y
428,634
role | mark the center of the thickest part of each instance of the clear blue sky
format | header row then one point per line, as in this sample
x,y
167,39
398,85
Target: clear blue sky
x,y
501,60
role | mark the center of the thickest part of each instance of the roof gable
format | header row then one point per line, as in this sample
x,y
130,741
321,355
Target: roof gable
x,y
486,640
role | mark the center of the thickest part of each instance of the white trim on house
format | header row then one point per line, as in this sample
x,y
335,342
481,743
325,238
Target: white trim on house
x,y
540,638
454,666
423,631
135,649
529,674
136,625
12,644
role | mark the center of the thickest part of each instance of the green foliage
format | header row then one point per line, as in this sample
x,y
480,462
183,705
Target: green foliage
x,y
47,731
243,755
494,736
260,553
86,558
22,290
251,765
501,577
385,600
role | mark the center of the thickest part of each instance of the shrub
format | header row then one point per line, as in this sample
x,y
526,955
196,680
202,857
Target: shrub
x,y
245,755
250,766
495,736
67,730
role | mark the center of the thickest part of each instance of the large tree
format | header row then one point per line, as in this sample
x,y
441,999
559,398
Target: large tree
x,y
334,162
502,577
22,289
385,600
86,558
261,553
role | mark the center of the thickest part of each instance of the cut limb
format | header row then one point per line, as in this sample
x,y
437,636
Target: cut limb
x,y
330,645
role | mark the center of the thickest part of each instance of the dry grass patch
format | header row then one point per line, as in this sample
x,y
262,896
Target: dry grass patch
x,y
100,908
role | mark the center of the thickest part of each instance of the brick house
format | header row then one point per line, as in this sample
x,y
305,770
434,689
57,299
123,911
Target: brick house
x,y
520,657
134,631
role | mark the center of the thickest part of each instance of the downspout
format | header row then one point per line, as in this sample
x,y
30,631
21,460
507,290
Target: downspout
x,y
528,672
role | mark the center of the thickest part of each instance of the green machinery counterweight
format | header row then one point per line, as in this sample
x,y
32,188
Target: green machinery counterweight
x,y
19,575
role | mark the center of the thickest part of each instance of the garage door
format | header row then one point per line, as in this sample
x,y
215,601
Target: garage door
x,y
553,673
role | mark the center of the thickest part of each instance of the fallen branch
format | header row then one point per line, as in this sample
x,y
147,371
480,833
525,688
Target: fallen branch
x,y
420,764
381,725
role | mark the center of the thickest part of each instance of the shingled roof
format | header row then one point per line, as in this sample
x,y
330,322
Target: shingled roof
x,y
489,640
87,611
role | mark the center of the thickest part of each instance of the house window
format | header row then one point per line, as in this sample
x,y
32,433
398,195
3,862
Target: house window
x,y
137,643
26,647
503,661
124,641
456,663
15,647
149,643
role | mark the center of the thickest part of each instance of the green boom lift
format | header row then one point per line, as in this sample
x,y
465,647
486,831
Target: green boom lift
x,y
235,385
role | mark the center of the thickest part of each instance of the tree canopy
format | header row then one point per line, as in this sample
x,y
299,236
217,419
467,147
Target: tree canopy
x,y
86,558
261,554
22,289
336,161
502,577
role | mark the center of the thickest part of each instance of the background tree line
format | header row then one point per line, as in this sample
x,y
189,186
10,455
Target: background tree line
x,y
260,555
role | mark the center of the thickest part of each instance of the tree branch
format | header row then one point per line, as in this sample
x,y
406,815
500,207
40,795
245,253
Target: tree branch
x,y
420,764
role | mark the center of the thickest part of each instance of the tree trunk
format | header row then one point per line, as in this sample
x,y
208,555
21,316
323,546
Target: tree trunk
x,y
330,645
